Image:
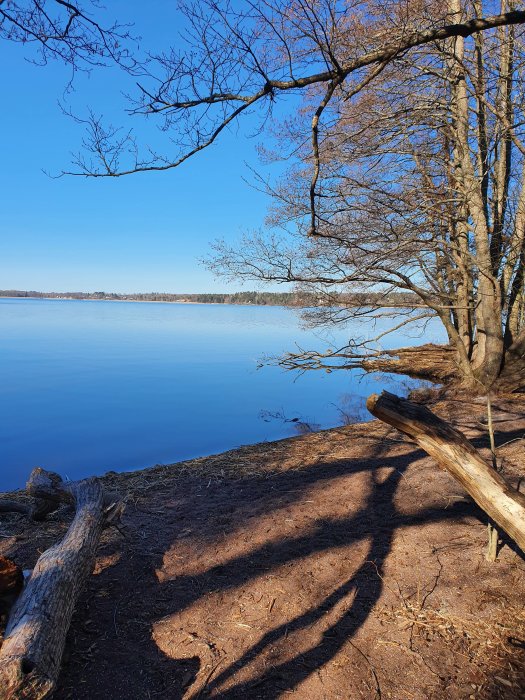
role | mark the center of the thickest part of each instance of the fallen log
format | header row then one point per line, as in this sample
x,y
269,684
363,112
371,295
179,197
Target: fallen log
x,y
7,506
503,504
31,653
47,495
49,492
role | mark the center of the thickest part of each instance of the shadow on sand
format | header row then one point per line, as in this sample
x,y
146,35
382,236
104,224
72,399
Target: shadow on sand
x,y
111,651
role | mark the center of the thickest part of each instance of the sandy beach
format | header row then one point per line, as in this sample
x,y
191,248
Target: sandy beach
x,y
339,564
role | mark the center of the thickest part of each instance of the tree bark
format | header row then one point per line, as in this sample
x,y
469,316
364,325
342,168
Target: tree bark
x,y
488,357
8,506
35,635
504,505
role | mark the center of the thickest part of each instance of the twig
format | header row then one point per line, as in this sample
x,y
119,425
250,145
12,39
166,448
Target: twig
x,y
372,669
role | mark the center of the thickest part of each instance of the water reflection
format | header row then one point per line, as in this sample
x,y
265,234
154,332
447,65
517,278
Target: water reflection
x,y
89,386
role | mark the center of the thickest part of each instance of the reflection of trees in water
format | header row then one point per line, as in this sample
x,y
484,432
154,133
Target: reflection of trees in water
x,y
300,425
403,385
350,408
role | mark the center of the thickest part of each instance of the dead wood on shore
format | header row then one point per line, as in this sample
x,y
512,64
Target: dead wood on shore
x,y
33,645
450,448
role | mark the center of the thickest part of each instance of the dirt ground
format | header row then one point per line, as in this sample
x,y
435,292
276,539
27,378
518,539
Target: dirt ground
x,y
340,564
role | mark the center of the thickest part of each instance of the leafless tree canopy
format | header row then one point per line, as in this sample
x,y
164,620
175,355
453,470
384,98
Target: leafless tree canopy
x,y
73,32
404,133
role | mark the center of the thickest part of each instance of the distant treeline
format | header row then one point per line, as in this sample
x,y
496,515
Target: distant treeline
x,y
258,298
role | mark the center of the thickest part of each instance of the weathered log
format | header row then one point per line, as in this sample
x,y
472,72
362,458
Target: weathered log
x,y
35,635
8,506
49,492
45,487
503,504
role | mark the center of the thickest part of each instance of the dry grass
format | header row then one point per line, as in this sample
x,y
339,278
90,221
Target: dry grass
x,y
486,642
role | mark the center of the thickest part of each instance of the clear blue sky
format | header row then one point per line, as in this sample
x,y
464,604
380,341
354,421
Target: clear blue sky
x,y
145,232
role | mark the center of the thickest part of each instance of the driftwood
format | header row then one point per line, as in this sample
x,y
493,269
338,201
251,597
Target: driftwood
x,y
503,504
7,506
35,635
45,488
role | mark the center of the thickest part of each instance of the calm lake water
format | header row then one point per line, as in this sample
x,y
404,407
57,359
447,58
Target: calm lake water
x,y
92,386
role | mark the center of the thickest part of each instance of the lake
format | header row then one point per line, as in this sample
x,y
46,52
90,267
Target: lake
x,y
93,386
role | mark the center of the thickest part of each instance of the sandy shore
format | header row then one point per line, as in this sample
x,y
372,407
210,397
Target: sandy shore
x,y
340,564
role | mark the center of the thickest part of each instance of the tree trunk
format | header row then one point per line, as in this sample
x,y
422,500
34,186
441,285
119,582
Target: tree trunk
x,y
487,359
504,505
512,377
34,641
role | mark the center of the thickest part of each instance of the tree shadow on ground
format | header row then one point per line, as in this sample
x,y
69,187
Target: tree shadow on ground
x,y
365,586
111,650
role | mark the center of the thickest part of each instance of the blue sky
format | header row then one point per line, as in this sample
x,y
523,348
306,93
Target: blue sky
x,y
145,232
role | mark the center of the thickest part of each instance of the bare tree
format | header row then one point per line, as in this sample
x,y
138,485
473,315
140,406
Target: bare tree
x,y
72,32
407,156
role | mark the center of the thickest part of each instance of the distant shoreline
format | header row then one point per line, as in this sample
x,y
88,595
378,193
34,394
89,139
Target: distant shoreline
x,y
251,298
238,298
149,301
